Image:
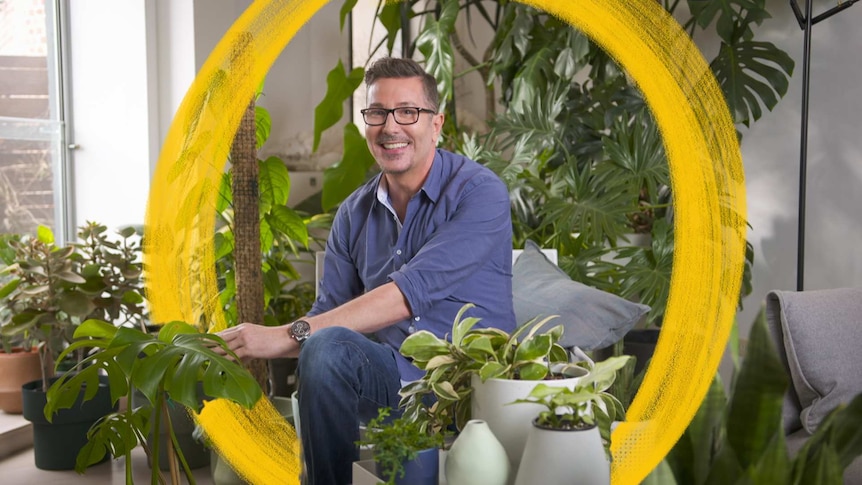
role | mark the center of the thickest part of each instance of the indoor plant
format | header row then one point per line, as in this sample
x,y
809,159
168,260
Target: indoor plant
x,y
273,293
564,126
50,290
170,364
567,436
480,370
405,451
739,437
19,361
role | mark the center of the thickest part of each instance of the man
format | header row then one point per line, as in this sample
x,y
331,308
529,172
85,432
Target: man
x,y
407,250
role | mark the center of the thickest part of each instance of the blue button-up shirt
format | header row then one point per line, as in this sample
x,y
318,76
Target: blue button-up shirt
x,y
454,247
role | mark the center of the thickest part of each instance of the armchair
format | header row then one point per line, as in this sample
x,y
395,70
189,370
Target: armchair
x,y
817,334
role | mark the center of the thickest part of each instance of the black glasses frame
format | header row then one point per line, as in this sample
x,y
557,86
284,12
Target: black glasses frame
x,y
392,111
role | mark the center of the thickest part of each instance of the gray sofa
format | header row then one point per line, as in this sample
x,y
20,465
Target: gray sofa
x,y
817,334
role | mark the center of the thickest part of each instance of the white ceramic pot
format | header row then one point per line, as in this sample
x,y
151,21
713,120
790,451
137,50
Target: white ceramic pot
x,y
510,423
564,457
476,456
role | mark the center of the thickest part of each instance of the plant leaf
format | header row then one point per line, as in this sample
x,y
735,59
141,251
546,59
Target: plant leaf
x,y
286,221
340,86
752,74
433,42
423,346
273,183
342,178
262,124
754,414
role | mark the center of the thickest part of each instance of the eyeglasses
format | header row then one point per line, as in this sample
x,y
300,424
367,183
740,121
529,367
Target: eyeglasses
x,y
403,116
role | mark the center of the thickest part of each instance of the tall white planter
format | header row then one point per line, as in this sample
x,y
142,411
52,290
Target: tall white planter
x,y
510,423
477,457
564,457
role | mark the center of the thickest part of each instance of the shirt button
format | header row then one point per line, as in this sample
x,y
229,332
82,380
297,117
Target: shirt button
x,y
416,318
398,252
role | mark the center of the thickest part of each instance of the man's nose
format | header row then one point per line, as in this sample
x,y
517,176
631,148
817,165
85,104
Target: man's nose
x,y
389,123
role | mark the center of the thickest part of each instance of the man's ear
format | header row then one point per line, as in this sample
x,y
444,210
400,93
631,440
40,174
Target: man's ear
x,y
438,120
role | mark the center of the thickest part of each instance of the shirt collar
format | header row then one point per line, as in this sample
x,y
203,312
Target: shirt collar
x,y
431,187
433,183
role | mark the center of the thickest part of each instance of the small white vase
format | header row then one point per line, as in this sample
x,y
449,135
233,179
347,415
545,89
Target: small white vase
x,y
477,456
564,457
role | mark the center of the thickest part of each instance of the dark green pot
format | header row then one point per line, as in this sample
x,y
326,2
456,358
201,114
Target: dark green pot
x,y
56,444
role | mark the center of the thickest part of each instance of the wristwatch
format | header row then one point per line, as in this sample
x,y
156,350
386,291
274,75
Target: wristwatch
x,y
300,330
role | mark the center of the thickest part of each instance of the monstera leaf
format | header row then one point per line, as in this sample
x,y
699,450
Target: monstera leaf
x,y
750,74
435,45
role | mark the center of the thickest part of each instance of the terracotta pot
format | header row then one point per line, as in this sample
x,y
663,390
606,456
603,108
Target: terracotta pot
x,y
16,369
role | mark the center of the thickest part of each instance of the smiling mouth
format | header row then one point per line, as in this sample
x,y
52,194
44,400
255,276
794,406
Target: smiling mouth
x,y
394,146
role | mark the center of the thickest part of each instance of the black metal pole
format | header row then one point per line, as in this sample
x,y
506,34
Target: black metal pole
x,y
803,149
806,22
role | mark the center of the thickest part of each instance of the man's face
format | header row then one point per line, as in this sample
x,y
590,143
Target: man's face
x,y
402,149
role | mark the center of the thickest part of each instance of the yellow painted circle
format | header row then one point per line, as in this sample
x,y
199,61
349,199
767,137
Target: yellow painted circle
x,y
706,174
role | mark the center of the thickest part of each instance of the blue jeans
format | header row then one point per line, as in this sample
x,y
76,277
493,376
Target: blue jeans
x,y
343,378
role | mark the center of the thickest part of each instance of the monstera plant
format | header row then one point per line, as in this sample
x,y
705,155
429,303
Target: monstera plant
x,y
565,127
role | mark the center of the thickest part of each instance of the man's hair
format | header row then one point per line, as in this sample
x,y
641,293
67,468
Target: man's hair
x,y
398,68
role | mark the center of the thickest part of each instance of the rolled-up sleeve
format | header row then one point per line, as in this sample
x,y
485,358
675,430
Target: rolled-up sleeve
x,y
340,282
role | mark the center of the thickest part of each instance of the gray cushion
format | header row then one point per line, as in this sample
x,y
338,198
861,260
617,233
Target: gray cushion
x,y
821,331
592,318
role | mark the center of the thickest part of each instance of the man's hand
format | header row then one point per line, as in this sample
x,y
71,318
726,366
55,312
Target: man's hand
x,y
250,341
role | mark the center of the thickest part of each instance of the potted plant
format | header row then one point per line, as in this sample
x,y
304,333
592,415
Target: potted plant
x,y
19,364
738,435
19,359
480,370
170,365
50,290
284,241
571,435
405,451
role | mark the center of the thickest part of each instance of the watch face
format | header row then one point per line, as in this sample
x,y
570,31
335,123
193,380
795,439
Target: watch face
x,y
300,330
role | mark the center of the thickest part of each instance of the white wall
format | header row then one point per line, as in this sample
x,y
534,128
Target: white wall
x,y
131,64
771,148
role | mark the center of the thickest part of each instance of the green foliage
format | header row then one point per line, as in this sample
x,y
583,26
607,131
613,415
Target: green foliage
x,y
587,404
340,87
487,352
397,441
346,175
283,236
574,141
167,365
740,438
49,290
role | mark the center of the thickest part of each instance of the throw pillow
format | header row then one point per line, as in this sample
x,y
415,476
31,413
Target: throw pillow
x,y
591,318
821,334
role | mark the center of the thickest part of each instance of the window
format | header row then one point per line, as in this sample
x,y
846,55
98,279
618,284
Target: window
x,y
33,150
